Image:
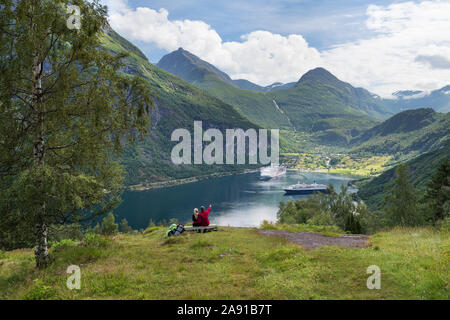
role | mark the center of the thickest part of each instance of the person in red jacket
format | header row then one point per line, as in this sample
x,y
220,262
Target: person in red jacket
x,y
196,219
204,216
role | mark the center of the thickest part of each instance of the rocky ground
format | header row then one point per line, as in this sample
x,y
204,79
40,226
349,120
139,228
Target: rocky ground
x,y
310,240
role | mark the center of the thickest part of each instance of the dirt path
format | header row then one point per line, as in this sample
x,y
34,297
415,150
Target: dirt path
x,y
310,240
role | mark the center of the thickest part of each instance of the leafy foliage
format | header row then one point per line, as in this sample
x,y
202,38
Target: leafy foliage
x,y
124,227
65,232
109,226
40,291
58,245
65,111
326,209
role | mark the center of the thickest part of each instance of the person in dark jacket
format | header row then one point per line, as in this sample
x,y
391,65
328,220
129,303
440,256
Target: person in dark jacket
x,y
204,215
196,219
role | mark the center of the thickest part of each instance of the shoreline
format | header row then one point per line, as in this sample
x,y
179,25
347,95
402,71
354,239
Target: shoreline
x,y
174,183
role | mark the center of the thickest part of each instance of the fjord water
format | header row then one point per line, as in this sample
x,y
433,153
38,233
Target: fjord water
x,y
239,200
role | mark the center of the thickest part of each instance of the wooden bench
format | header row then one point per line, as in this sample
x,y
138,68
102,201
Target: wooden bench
x,y
201,229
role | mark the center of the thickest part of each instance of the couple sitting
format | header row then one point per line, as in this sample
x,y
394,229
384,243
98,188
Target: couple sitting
x,y
201,219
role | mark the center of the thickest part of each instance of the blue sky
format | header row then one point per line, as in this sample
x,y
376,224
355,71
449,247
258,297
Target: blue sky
x,y
383,46
323,23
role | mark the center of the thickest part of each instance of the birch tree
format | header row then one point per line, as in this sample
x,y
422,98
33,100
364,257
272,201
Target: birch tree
x,y
65,112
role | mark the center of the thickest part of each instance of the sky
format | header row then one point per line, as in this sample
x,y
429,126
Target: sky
x,y
383,46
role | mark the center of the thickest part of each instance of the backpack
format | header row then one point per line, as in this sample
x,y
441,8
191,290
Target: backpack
x,y
179,230
174,230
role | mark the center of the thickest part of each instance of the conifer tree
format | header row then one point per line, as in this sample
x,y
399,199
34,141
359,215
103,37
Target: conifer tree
x,y
109,225
124,227
438,192
401,202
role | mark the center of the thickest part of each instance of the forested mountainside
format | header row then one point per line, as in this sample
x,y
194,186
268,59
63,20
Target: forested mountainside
x,y
421,168
320,107
331,109
254,105
319,104
409,133
177,105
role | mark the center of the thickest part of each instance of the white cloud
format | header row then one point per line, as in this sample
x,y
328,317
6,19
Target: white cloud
x,y
388,61
260,56
383,64
418,95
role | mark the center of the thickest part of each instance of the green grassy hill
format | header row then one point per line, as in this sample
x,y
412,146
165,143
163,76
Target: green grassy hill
x,y
422,169
319,104
407,134
326,107
235,264
254,105
177,105
320,84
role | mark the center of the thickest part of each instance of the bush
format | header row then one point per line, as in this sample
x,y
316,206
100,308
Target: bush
x,y
266,225
63,244
352,224
109,226
332,209
40,291
124,227
323,218
97,229
372,222
298,212
94,240
444,225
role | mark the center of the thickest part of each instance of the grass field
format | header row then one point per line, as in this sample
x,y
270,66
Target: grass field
x,y
364,166
233,264
338,163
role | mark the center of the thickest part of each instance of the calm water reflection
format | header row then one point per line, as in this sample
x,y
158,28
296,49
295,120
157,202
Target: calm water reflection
x,y
241,200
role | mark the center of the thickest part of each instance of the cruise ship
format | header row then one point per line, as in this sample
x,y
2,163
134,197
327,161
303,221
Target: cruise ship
x,y
270,172
301,188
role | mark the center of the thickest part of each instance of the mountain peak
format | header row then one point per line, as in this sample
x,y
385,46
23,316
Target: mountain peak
x,y
189,67
445,89
181,53
318,75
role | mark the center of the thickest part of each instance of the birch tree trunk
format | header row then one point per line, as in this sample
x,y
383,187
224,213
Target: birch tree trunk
x,y
41,249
